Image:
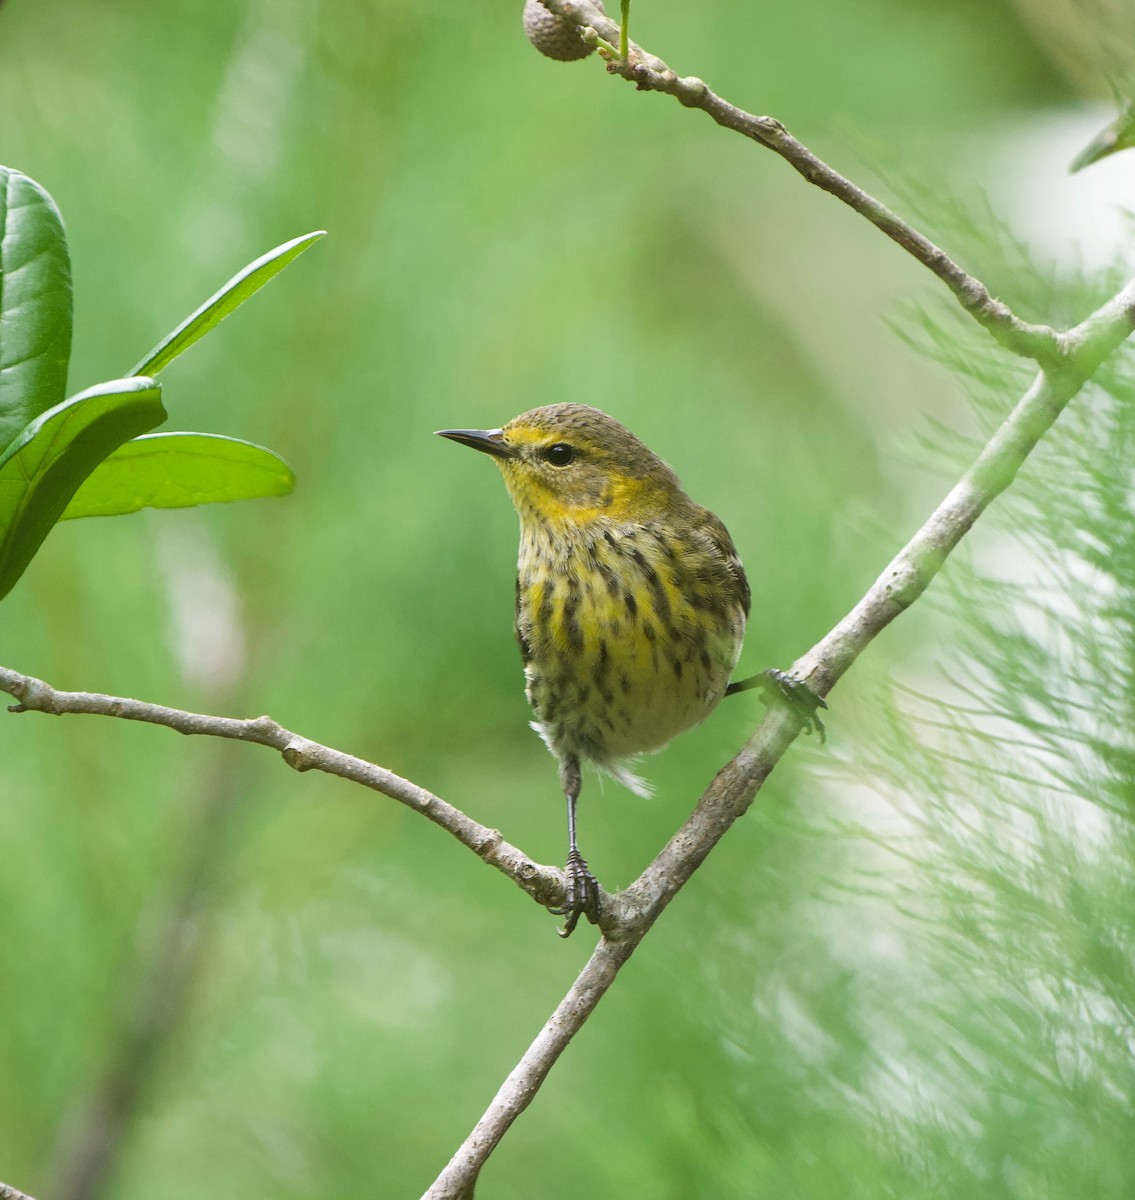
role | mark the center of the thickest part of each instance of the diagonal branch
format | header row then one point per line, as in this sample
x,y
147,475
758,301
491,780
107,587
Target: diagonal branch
x,y
544,884
649,73
458,1179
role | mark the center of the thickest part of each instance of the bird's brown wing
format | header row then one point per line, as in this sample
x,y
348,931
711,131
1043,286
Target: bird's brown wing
x,y
521,640
714,529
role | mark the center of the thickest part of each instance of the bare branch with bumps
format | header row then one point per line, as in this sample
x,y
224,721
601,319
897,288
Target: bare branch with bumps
x,y
649,73
543,884
11,1193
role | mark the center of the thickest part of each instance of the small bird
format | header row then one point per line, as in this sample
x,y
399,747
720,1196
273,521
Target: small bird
x,y
631,601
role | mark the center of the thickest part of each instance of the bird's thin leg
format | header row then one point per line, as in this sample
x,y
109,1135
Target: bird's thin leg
x,y
780,687
581,896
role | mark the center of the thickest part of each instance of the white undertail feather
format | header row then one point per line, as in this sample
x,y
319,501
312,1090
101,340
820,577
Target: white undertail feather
x,y
622,772
619,770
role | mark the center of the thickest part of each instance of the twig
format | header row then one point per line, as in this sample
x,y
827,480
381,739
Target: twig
x,y
545,884
909,573
11,1193
458,1179
649,73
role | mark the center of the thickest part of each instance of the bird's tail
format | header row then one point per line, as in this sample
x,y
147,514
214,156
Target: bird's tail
x,y
621,771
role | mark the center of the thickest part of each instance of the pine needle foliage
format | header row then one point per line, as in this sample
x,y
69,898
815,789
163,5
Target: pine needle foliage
x,y
1011,767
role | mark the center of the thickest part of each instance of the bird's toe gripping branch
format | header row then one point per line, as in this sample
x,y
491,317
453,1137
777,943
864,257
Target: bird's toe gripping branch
x,y
778,687
581,895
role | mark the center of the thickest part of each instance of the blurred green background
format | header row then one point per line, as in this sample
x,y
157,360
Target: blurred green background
x,y
222,977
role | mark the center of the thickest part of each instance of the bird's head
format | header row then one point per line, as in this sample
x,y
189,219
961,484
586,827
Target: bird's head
x,y
572,464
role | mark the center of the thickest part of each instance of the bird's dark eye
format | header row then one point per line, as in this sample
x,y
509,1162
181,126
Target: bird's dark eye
x,y
559,454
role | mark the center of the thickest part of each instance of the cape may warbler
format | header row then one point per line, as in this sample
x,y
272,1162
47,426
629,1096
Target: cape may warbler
x,y
630,601
630,598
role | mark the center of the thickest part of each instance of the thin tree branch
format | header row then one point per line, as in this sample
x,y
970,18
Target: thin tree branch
x,y
649,73
545,884
516,1093
11,1193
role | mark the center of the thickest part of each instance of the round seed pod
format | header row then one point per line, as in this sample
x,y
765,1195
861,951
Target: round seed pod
x,y
552,35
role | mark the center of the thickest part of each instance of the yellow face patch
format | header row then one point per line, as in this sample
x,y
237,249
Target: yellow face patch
x,y
562,499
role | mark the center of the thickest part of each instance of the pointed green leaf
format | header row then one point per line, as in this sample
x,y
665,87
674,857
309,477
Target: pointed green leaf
x,y
216,308
1119,135
35,303
42,469
178,470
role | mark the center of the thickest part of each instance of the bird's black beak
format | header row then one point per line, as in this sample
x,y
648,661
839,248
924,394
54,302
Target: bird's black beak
x,y
491,441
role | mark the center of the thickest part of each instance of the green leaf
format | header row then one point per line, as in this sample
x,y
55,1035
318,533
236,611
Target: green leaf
x,y
216,308
178,470
35,303
1119,135
43,467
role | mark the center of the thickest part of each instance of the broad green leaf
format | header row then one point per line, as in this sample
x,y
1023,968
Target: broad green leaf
x,y
216,308
43,467
35,303
178,470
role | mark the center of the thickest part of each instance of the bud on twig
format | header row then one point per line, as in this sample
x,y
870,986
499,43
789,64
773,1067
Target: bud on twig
x,y
552,35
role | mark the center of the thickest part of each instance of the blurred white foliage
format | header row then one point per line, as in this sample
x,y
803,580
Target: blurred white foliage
x,y
206,634
1082,221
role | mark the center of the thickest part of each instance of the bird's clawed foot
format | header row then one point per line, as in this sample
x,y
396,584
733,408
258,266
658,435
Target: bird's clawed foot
x,y
581,895
778,687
